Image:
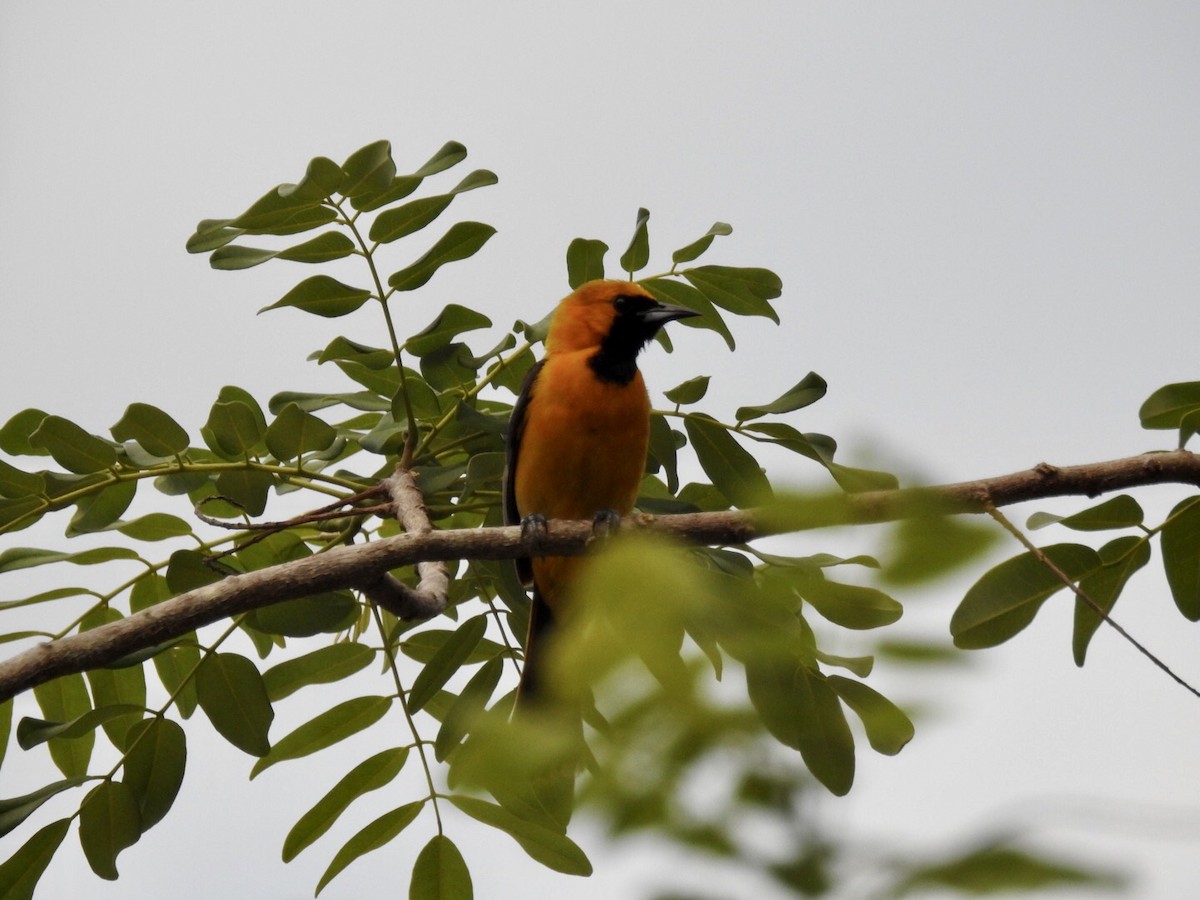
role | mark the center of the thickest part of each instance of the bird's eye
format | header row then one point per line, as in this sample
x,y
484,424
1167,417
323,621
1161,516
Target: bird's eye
x,y
621,304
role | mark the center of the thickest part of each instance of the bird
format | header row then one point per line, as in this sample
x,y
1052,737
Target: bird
x,y
577,438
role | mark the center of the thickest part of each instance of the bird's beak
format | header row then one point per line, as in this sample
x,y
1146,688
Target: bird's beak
x,y
661,313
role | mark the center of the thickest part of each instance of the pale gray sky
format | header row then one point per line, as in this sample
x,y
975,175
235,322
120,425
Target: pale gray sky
x,y
986,218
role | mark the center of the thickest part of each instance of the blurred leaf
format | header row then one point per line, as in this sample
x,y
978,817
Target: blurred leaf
x,y
801,710
463,239
231,693
154,767
448,659
546,846
336,724
368,170
373,836
585,261
440,873
321,666
450,322
72,447
888,728
108,823
1169,405
925,547
6,719
637,254
1181,556
295,431
19,874
733,471
1122,557
809,390
745,291
156,432
369,775
467,707
995,869
697,247
65,699
1005,600
690,391
322,296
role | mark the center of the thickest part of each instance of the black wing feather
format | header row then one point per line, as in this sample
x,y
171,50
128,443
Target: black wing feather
x,y
512,450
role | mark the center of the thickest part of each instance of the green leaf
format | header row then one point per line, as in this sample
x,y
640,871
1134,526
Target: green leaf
x,y
850,605
695,248
15,435
637,254
18,514
1121,511
1005,600
1181,556
28,557
175,668
6,719
1122,557
669,290
368,170
15,810
924,547
322,296
72,447
16,483
449,658
19,874
247,489
327,246
154,767
186,571
211,234
585,261
97,511
550,848
153,527
31,732
1167,407
109,822
450,322
115,685
463,239
807,391
295,431
393,224
326,613
450,155
373,836
732,470
231,693
690,391
156,432
342,721
233,431
321,180
888,728
801,710
323,666
440,873
369,775
745,291
65,699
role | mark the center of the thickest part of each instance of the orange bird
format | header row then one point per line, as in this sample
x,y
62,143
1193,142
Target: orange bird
x,y
578,435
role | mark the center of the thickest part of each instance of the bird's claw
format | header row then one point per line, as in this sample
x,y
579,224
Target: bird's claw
x,y
605,524
533,529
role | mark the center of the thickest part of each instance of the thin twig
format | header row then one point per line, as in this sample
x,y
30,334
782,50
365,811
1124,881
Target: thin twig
x,y
1082,594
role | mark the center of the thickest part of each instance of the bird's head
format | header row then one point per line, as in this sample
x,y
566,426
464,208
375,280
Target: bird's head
x,y
617,317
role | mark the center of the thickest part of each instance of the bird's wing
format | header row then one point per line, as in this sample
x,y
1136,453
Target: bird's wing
x,y
512,449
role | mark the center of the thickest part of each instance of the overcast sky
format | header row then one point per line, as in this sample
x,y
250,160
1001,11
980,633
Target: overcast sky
x,y
986,219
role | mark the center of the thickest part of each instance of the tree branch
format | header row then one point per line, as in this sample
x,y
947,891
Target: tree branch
x,y
365,565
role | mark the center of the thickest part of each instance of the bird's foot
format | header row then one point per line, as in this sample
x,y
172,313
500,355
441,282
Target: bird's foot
x,y
605,524
533,529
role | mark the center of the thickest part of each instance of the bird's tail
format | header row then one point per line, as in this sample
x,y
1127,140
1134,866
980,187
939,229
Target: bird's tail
x,y
541,623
